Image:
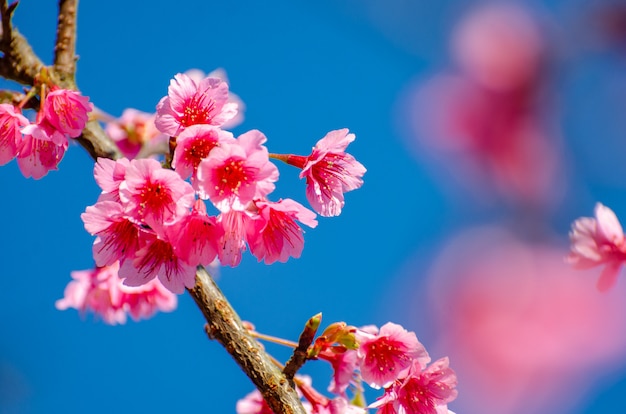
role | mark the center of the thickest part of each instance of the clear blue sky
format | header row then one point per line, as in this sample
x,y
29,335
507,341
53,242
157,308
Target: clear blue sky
x,y
302,69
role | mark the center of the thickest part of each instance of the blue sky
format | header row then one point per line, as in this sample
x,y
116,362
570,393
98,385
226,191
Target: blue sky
x,y
302,69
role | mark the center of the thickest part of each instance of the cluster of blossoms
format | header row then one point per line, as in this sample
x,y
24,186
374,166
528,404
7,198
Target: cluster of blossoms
x,y
151,223
599,241
391,358
40,146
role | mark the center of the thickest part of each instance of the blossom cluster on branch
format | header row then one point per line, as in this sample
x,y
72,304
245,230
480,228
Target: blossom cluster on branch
x,y
187,194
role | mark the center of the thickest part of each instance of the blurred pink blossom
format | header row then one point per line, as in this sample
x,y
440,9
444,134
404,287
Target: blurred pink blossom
x,y
525,331
491,123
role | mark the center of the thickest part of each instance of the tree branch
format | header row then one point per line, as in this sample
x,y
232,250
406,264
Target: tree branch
x,y
65,46
19,62
224,325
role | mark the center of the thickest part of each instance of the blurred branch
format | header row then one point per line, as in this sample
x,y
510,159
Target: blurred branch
x,y
224,325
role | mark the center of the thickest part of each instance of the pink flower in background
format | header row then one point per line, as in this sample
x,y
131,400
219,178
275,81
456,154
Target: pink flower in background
x,y
101,291
193,145
134,131
39,152
237,172
387,355
492,124
599,241
500,46
525,331
329,172
11,120
153,194
275,235
190,103
67,111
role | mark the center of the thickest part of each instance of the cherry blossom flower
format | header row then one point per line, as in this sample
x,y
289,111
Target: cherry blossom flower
x,y
387,355
118,235
109,174
153,194
158,258
274,235
193,145
237,172
101,291
41,150
11,120
422,391
197,75
232,245
599,241
134,131
196,236
67,111
343,364
329,172
253,403
190,103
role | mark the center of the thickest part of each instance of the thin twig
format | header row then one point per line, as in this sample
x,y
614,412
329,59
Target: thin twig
x,y
299,356
224,325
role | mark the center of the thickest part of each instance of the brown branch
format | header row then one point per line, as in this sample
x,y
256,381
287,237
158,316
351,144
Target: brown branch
x,y
65,46
19,62
224,325
300,354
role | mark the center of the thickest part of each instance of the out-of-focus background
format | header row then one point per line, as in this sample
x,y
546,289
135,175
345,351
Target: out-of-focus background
x,y
486,129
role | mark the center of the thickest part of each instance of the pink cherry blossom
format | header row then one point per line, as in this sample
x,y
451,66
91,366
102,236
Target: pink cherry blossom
x,y
101,291
274,235
599,241
232,245
118,235
422,391
153,194
387,355
134,131
158,258
196,236
67,111
193,145
41,150
253,403
330,172
109,174
343,364
237,172
197,75
11,120
190,103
